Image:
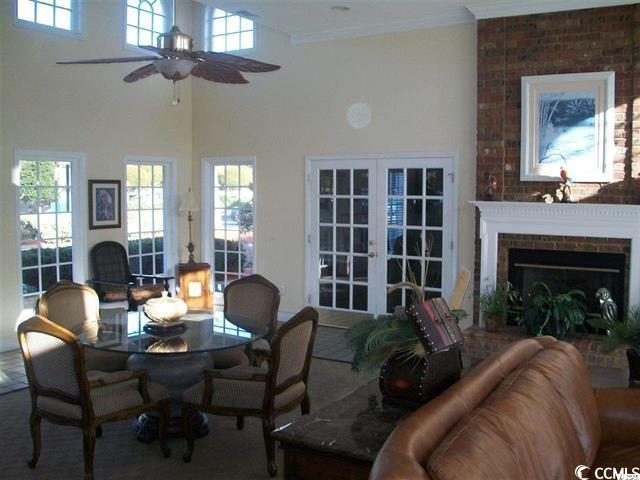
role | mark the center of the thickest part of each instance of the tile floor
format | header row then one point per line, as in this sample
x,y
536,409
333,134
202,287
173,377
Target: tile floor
x,y
330,344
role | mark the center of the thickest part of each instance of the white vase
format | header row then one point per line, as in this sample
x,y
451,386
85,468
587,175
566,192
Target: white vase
x,y
165,309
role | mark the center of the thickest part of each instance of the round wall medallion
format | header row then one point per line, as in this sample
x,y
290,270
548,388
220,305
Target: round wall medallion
x,y
359,115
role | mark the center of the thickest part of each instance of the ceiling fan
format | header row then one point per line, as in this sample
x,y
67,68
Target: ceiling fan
x,y
175,60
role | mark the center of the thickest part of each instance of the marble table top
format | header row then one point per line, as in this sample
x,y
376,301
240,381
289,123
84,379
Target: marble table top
x,y
355,426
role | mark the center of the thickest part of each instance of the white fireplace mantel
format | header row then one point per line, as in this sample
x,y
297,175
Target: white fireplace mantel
x,y
558,219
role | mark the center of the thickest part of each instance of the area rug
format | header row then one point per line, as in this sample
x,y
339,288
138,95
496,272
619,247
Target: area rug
x,y
226,453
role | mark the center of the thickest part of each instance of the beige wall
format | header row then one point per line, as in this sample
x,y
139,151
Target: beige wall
x,y
421,87
86,109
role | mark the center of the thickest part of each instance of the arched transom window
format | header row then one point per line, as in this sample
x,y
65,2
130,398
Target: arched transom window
x,y
146,19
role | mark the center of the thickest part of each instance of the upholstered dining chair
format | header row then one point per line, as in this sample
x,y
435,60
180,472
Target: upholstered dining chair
x,y
77,308
114,281
63,392
257,298
259,391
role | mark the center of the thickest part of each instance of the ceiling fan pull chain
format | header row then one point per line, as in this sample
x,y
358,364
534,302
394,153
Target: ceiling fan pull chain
x,y
176,93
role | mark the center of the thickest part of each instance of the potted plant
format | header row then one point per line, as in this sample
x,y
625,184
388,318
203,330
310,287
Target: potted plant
x,y
494,305
625,333
546,313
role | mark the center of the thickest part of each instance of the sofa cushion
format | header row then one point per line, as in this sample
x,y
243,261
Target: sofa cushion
x,y
523,430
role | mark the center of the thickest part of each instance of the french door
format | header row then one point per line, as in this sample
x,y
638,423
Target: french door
x,y
375,222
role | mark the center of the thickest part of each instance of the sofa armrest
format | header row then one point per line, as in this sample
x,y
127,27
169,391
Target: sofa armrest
x,y
396,465
619,410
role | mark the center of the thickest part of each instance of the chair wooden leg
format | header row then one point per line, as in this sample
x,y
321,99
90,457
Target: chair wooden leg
x,y
98,431
89,445
305,406
34,423
270,446
163,429
240,423
187,413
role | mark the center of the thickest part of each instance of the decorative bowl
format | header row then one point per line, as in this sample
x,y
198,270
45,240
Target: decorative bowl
x,y
165,309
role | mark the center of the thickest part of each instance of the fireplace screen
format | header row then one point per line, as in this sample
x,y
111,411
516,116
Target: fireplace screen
x,y
568,270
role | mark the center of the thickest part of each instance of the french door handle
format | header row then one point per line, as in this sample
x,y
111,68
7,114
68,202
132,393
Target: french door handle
x,y
372,254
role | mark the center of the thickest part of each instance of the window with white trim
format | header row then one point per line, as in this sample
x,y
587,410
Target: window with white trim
x,y
146,215
233,222
228,32
57,14
48,223
146,19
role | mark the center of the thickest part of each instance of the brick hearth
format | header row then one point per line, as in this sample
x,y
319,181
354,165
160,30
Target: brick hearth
x,y
479,344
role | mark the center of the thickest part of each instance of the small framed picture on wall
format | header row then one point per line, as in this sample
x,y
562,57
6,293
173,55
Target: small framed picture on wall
x,y
567,123
105,208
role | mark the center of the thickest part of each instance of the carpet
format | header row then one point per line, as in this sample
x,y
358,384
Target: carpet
x,y
226,453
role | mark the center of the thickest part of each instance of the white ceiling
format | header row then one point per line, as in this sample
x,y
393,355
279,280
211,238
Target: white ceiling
x,y
314,20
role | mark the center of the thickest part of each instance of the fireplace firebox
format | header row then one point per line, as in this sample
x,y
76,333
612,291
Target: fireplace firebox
x,y
567,270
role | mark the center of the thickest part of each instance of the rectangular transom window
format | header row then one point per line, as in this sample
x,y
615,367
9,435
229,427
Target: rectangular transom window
x,y
56,14
228,32
48,190
146,214
233,222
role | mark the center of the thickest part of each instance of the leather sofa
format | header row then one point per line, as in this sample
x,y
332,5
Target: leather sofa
x,y
527,412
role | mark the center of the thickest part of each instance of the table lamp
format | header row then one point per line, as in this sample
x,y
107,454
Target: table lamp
x,y
190,205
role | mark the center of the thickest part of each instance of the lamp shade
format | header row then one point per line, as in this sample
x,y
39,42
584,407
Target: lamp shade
x,y
190,204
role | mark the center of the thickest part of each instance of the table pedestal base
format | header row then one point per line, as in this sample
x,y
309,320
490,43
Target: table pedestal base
x,y
147,426
177,373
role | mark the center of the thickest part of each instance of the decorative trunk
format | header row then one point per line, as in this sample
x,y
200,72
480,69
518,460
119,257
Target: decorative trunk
x,y
414,382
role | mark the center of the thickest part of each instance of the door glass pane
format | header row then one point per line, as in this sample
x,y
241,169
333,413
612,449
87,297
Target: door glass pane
x,y
343,210
343,242
326,182
395,181
326,210
343,237
361,182
233,222
360,211
343,182
413,232
434,183
414,181
46,225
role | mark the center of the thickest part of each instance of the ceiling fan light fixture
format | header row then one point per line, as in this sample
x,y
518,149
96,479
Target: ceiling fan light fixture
x,y
174,69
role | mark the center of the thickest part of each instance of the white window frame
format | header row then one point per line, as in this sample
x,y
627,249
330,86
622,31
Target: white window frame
x,y
207,210
170,208
207,32
167,5
76,22
79,201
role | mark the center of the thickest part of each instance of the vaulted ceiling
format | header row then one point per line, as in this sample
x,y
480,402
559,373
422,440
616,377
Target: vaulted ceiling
x,y
316,20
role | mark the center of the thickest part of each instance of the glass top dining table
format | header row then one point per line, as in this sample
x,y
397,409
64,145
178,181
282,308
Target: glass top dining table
x,y
204,331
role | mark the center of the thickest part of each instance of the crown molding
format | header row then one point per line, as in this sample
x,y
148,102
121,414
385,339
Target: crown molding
x,y
455,17
511,8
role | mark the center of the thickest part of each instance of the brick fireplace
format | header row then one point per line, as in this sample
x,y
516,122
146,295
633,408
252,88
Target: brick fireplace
x,y
606,216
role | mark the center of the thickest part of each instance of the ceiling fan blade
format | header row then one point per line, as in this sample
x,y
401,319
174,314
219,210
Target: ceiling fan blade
x,y
238,63
165,52
218,75
140,73
109,60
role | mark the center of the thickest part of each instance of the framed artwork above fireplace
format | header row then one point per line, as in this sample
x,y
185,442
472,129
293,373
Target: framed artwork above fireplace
x,y
567,122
